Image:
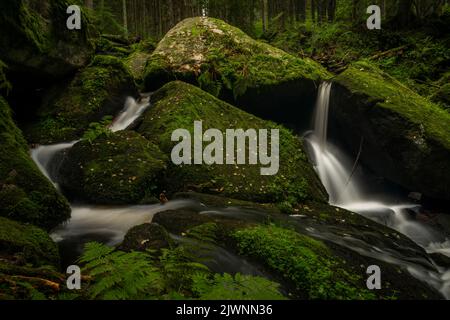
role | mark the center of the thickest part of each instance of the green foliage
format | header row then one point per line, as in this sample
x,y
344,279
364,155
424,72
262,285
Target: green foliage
x,y
173,275
307,263
27,243
5,85
120,275
238,287
97,129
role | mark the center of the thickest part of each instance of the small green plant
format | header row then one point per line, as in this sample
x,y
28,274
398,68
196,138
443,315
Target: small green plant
x,y
118,275
97,129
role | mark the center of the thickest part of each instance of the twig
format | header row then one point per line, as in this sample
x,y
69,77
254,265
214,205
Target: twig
x,y
355,165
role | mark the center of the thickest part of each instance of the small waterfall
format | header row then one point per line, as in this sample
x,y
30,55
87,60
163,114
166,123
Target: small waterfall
x,y
345,187
97,223
132,110
321,114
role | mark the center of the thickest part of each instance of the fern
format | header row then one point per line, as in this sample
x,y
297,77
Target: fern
x,y
96,129
118,275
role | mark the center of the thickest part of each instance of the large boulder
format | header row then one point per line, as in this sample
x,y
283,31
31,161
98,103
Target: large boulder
x,y
118,168
178,105
223,60
25,194
36,41
321,252
147,236
97,91
406,138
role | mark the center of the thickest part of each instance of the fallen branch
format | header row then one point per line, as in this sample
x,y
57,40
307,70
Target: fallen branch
x,y
388,52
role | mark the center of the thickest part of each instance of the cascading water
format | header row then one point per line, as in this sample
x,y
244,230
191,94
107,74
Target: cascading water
x,y
345,187
133,109
89,223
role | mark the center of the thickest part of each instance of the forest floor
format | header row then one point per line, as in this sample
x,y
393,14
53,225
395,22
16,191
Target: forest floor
x,y
419,58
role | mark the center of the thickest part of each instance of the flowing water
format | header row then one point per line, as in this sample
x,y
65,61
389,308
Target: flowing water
x,y
109,224
345,185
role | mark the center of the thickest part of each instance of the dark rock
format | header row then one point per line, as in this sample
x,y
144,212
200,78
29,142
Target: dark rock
x,y
25,194
406,138
146,236
121,168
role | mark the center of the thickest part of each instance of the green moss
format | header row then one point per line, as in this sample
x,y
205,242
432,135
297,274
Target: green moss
x,y
26,244
365,79
25,194
178,105
38,42
307,263
119,168
94,93
230,59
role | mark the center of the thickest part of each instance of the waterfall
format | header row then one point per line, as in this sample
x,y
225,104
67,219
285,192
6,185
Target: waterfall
x,y
132,110
345,187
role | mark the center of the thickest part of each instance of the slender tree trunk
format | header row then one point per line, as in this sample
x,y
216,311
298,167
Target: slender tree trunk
x,y
89,4
404,14
125,18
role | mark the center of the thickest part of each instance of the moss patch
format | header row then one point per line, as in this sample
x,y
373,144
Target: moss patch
x,y
308,263
116,169
39,42
97,91
178,105
407,138
25,194
26,244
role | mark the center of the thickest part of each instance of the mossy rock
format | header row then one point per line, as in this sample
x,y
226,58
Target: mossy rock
x,y
26,244
35,40
178,104
406,137
30,283
146,236
25,194
119,168
97,91
307,263
226,62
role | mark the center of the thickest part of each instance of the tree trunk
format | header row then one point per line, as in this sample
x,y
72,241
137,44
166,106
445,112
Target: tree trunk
x,y
404,14
125,18
89,4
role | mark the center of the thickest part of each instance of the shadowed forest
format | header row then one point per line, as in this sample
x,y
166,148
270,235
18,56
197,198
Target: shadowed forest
x,y
93,206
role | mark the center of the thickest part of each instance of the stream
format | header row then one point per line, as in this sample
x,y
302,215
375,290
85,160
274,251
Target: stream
x,y
109,224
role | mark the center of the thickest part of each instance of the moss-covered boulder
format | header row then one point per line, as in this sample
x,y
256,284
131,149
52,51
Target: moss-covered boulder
x,y
146,236
177,105
97,91
320,253
406,138
229,64
26,244
119,168
35,39
28,262
25,194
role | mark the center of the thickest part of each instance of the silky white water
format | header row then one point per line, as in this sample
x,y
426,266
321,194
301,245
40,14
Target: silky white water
x,y
345,187
133,109
96,220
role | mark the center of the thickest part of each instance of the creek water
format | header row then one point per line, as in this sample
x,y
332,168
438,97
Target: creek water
x,y
109,224
346,183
